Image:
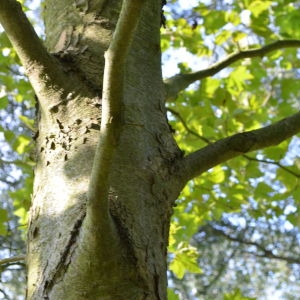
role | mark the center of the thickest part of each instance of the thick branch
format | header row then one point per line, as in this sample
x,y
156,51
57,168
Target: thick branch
x,y
238,144
43,71
179,82
112,102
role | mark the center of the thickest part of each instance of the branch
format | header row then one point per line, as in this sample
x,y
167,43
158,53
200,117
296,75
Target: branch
x,y
42,69
112,112
11,260
238,144
16,162
265,253
274,163
223,266
186,127
179,82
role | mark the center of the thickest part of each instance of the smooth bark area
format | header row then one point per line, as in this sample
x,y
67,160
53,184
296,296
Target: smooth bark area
x,y
108,170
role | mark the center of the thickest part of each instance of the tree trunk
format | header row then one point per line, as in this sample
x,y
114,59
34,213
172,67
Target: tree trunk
x,y
107,168
113,248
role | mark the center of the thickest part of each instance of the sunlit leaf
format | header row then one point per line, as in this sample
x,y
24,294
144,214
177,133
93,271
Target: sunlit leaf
x,y
217,175
21,143
257,7
185,260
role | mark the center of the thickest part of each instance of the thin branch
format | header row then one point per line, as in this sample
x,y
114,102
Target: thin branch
x,y
42,69
275,163
223,266
16,162
4,294
179,82
239,144
264,252
112,103
187,128
12,259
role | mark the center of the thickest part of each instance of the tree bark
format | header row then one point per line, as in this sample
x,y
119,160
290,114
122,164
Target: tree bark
x,y
83,244
108,170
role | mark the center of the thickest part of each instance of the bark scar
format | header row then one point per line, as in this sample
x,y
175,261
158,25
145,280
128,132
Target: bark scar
x,y
66,256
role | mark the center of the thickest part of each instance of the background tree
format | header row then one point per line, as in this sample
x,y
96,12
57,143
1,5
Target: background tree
x,y
107,168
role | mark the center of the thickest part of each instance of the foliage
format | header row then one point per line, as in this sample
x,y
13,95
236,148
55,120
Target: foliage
x,y
247,95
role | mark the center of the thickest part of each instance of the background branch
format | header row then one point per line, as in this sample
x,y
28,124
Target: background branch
x,y
274,163
186,127
11,260
179,82
264,252
238,144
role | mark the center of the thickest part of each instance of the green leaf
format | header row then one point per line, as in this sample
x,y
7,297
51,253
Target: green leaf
x,y
185,260
21,143
237,78
287,179
236,295
3,102
3,220
28,122
214,20
276,153
257,7
223,37
233,17
290,23
9,135
262,190
216,175
172,295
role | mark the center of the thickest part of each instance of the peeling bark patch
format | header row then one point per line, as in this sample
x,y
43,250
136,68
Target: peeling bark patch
x,y
61,141
95,126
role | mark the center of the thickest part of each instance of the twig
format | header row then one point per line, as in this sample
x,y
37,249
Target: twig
x,y
275,163
189,130
12,259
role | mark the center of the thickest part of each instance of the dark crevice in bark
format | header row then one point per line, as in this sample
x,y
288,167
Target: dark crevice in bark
x,y
65,257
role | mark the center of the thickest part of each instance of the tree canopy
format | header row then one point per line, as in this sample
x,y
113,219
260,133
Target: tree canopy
x,y
231,69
